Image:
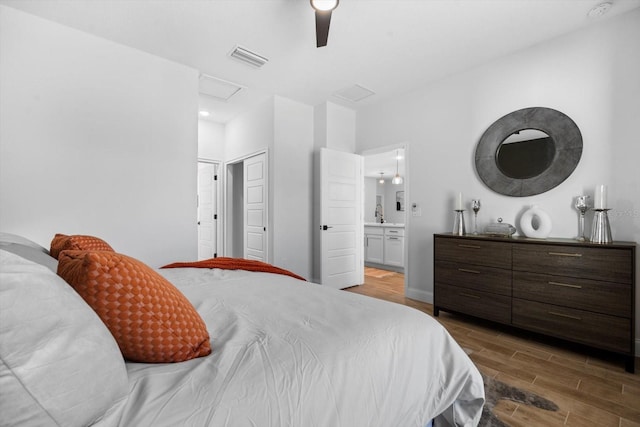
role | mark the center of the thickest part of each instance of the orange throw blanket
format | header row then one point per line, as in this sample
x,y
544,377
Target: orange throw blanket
x,y
234,264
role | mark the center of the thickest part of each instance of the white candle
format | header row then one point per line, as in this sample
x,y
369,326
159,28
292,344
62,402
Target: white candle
x,y
600,201
459,202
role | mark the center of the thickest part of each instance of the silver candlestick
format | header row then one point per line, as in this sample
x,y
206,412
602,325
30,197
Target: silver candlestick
x,y
601,231
582,204
458,223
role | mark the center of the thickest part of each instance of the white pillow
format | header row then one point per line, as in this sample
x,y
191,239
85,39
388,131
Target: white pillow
x,y
59,365
32,254
7,238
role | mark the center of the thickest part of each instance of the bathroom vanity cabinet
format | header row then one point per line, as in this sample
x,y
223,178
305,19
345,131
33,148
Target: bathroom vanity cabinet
x,y
384,245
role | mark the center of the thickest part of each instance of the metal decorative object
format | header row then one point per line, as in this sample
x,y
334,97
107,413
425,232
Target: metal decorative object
x,y
566,138
582,204
458,223
500,229
601,230
475,205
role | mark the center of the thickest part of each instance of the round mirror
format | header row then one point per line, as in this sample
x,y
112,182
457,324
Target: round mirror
x,y
525,153
528,151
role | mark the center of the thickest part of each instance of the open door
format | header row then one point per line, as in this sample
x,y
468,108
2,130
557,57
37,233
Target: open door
x,y
341,226
255,208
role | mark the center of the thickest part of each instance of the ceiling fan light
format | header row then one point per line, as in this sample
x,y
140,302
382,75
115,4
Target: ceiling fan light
x,y
324,5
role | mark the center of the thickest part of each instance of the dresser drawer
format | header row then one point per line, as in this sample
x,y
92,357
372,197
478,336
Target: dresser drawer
x,y
607,332
476,303
481,278
584,294
611,265
472,251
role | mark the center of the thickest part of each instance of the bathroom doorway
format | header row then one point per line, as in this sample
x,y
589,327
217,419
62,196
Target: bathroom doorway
x,y
385,219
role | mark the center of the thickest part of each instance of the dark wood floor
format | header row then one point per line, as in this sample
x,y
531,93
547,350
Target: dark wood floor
x,y
591,389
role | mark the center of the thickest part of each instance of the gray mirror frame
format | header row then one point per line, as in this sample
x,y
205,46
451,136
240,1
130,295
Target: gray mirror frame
x,y
563,131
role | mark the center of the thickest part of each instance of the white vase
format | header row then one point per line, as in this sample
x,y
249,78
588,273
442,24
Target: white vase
x,y
535,223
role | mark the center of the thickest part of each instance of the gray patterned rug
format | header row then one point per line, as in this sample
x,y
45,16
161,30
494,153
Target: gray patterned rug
x,y
495,391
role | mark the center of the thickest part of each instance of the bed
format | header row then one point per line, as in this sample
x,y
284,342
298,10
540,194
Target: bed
x,y
284,352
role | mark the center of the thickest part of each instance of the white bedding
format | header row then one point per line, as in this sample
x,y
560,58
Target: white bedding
x,y
291,353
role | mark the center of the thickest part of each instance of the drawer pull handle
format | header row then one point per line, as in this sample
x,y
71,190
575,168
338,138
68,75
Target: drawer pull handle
x,y
568,316
469,295
464,270
565,254
566,285
470,246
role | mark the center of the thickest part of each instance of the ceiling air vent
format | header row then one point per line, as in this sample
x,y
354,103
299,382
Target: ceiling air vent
x,y
248,57
354,93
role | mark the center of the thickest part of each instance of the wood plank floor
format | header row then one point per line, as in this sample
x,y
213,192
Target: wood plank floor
x,y
591,388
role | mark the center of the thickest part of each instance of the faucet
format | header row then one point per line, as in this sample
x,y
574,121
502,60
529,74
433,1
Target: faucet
x,y
379,213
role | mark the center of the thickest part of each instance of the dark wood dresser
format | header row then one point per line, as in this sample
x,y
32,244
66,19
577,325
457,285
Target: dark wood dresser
x,y
579,292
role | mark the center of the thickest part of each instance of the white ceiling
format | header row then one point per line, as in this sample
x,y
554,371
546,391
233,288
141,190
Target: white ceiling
x,y
388,46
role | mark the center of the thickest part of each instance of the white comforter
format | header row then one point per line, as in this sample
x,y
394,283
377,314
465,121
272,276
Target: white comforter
x,y
291,353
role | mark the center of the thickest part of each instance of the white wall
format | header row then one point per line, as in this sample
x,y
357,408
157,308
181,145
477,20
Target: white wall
x,y
96,138
370,190
210,140
293,186
590,75
335,127
285,129
251,132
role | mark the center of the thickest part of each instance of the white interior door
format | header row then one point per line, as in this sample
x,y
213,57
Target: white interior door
x,y
341,224
255,208
207,210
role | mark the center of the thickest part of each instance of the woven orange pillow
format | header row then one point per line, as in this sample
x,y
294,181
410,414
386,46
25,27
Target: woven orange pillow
x,y
151,320
77,242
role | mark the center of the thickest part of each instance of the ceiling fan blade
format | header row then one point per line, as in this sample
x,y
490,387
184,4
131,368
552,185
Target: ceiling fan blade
x,y
323,19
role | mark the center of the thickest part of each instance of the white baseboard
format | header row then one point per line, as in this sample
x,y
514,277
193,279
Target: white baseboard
x,y
419,295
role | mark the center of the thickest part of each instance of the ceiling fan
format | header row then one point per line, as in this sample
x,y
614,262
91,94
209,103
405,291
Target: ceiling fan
x,y
323,10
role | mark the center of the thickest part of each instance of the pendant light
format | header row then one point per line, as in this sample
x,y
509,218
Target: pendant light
x,y
381,181
397,179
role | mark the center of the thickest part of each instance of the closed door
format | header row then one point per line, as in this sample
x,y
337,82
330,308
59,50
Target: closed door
x,y
341,187
255,208
207,210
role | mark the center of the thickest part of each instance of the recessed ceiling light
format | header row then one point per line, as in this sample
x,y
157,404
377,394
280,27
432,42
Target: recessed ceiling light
x,y
599,10
204,113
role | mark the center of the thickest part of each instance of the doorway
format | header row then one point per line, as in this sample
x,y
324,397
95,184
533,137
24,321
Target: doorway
x,y
385,220
246,207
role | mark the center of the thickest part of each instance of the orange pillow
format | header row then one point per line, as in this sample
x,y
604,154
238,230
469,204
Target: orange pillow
x,y
151,320
62,242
